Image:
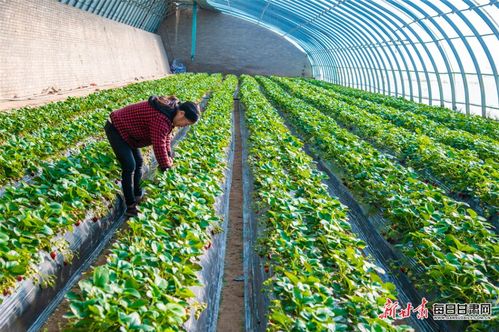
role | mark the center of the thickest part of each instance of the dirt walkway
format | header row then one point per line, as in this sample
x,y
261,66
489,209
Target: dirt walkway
x,y
7,105
231,317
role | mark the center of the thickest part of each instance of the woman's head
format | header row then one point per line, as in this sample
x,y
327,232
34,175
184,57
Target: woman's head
x,y
186,114
181,114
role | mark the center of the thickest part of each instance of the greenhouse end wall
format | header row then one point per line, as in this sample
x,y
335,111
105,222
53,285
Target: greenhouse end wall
x,y
230,45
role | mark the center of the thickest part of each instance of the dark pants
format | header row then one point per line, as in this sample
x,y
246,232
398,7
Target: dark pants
x,y
131,163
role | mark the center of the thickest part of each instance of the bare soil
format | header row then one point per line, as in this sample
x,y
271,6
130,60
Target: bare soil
x,y
231,317
9,105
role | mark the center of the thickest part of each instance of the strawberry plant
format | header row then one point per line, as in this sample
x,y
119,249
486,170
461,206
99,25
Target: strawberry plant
x,y
145,283
484,147
460,170
319,279
453,245
451,119
31,215
21,154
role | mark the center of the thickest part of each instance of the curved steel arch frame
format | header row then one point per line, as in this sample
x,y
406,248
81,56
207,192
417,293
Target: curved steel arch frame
x,y
375,45
142,14
472,54
372,45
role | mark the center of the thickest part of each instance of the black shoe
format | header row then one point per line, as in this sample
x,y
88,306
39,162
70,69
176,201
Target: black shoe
x,y
131,210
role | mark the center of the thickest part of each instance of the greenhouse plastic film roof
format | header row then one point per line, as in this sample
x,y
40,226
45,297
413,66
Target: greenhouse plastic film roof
x,y
435,52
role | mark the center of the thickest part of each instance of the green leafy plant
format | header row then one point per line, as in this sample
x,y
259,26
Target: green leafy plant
x,y
318,278
21,154
484,147
452,119
32,215
453,245
145,283
461,170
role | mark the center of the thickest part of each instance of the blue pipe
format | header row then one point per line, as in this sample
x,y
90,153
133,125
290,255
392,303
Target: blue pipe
x,y
356,17
194,29
358,21
87,4
125,17
97,6
100,7
324,41
135,16
107,8
116,14
376,26
344,29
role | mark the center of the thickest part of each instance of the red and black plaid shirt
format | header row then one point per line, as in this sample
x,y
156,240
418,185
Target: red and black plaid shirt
x,y
141,125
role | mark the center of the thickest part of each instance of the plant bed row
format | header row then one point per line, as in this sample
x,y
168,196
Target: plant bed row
x,y
42,306
451,119
318,278
25,309
146,282
452,243
22,154
483,147
460,170
55,202
91,254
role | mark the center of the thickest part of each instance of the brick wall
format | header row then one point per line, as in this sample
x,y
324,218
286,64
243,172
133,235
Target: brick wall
x,y
230,45
45,44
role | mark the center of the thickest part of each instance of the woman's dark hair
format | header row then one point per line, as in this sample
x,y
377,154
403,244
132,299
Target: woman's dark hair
x,y
191,111
169,107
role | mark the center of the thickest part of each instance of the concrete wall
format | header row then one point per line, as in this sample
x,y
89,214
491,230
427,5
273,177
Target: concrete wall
x,y
45,44
230,45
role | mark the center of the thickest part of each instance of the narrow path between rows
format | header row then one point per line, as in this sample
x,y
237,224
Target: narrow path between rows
x,y
56,322
232,301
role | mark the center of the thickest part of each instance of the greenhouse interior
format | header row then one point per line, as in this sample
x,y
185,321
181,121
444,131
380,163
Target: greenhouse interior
x,y
260,165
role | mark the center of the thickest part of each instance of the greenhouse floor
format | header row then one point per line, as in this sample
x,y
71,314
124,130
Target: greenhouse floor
x,y
8,105
232,304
